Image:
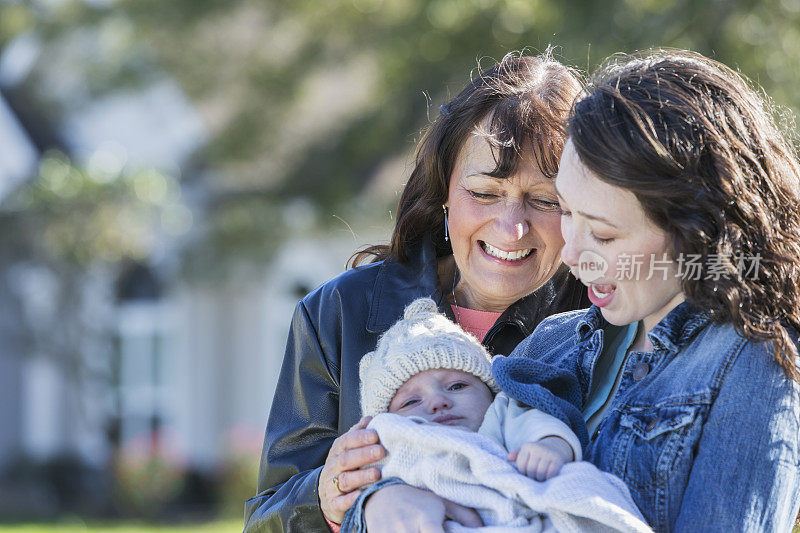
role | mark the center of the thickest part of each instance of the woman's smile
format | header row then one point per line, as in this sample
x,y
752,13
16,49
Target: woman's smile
x,y
511,257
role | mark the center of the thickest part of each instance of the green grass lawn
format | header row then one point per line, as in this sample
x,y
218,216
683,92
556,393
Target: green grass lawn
x,y
221,526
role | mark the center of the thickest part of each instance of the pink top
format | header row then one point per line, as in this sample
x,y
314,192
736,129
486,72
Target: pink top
x,y
476,322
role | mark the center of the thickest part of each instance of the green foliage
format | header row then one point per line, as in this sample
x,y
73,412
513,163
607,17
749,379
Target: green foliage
x,y
241,231
309,98
78,216
418,46
15,18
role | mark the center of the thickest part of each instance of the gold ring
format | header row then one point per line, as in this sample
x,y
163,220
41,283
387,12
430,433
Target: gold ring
x,y
336,483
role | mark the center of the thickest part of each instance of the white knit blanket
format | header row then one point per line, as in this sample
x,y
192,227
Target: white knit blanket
x,y
472,470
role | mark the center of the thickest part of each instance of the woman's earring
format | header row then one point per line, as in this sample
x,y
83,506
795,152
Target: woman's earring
x,y
446,236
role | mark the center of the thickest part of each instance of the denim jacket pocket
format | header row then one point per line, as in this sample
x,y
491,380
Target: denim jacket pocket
x,y
656,442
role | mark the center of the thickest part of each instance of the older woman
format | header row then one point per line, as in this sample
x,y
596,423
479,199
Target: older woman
x,y
681,212
478,231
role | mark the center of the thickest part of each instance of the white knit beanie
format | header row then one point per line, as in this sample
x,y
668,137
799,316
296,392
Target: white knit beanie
x,y
423,339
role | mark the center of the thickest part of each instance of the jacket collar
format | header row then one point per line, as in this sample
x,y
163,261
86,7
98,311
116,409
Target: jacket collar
x,y
678,327
397,284
671,333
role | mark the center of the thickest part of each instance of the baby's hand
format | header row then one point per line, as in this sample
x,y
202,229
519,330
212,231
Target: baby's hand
x,y
543,459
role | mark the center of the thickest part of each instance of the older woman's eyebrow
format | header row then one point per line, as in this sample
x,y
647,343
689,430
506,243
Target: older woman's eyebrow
x,y
482,174
588,215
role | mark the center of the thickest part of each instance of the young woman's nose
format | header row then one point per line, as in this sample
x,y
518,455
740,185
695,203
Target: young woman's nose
x,y
570,251
438,402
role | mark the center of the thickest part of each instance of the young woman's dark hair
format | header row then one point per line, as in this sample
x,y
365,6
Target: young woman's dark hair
x,y
526,97
701,151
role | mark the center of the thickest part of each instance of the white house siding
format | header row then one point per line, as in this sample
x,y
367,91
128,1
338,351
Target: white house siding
x,y
230,342
221,354
42,408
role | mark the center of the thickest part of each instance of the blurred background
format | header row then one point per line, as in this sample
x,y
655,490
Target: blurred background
x,y
176,174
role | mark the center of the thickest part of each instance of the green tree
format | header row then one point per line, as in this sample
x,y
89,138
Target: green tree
x,y
312,98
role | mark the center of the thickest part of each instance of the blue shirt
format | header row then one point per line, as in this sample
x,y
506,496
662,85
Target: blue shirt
x,y
607,369
704,429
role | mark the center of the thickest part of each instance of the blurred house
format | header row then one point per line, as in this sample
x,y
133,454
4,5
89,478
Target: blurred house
x,y
200,363
185,366
18,161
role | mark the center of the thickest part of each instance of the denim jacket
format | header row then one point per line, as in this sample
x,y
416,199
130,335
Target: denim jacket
x,y
704,430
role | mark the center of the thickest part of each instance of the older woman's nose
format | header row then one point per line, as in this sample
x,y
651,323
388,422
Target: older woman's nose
x,y
513,224
521,229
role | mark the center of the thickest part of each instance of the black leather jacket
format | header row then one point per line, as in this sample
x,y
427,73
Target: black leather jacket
x,y
317,398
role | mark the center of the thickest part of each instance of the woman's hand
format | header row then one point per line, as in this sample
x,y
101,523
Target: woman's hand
x,y
403,508
341,478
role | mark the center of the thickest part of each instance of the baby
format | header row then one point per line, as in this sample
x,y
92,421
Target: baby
x,y
426,366
429,388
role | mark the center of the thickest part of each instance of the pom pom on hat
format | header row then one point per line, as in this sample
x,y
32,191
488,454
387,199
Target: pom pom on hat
x,y
423,339
420,306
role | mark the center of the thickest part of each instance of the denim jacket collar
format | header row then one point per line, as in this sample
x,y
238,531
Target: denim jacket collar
x,y
671,333
677,328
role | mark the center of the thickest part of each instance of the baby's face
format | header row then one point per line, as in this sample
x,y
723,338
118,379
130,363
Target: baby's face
x,y
443,396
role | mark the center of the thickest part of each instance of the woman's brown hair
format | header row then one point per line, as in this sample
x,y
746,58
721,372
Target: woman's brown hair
x,y
527,99
702,152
